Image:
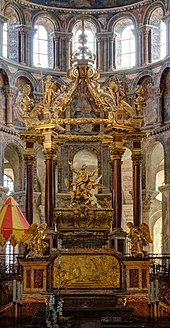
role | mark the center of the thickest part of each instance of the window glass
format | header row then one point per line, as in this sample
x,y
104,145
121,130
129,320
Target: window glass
x,y
4,45
40,47
125,44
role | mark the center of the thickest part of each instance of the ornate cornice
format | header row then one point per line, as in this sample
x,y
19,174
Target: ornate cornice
x,y
86,11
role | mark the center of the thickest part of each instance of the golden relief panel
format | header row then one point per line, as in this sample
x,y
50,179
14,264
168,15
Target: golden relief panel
x,y
87,271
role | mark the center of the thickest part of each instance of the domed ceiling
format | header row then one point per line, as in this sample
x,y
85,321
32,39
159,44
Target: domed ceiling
x,y
85,3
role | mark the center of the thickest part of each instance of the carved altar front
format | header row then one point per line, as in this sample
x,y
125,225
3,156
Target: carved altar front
x,y
87,269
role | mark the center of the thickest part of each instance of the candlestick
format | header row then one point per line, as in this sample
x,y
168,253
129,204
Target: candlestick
x,y
157,289
14,290
152,292
149,294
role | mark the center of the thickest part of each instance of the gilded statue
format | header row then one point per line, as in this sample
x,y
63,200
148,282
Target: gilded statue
x,y
49,89
26,102
34,240
139,237
81,189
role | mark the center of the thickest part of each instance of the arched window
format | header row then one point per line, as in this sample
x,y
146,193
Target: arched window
x,y
89,31
158,35
125,44
8,183
40,47
4,44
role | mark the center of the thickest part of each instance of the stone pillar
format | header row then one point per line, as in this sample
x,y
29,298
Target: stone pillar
x,y
98,53
9,92
29,35
22,46
165,218
137,183
111,54
29,158
144,44
105,51
3,19
64,51
55,37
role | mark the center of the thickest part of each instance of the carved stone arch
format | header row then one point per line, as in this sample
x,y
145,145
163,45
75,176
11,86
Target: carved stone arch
x,y
89,148
153,220
13,153
4,75
150,10
154,155
164,94
4,88
144,74
17,9
116,18
28,76
151,95
21,78
45,15
87,18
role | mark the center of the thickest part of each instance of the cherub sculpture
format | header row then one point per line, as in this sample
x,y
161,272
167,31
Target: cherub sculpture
x,y
82,186
140,237
34,240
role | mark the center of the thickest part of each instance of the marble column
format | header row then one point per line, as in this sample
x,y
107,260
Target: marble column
x,y
9,92
137,183
116,158
49,186
22,46
29,158
105,50
55,50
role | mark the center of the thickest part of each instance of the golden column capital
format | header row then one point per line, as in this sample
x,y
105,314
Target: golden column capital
x,y
49,153
29,158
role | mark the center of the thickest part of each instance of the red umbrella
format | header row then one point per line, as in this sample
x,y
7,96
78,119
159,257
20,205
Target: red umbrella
x,y
13,224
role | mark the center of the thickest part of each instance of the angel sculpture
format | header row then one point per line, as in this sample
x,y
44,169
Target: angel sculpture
x,y
81,189
140,237
34,240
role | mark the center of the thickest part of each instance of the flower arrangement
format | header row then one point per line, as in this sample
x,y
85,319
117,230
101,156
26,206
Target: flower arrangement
x,y
54,313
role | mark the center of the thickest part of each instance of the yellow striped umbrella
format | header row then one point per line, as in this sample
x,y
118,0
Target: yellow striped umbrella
x,y
13,224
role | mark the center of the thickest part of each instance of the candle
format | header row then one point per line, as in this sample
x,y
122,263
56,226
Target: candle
x,y
14,290
21,292
18,291
53,300
152,292
149,294
157,289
